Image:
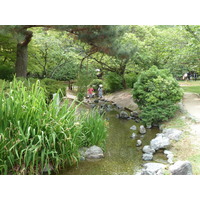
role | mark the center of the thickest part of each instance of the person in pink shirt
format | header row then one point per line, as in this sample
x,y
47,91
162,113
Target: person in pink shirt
x,y
90,92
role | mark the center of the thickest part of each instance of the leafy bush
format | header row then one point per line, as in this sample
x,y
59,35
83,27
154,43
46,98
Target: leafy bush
x,y
34,134
6,72
52,86
156,92
113,82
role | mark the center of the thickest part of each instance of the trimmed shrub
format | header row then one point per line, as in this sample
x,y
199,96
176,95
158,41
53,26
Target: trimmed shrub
x,y
156,93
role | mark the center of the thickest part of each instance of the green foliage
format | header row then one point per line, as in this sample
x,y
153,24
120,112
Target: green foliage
x,y
158,112
94,129
52,86
113,82
35,135
6,72
130,79
84,79
156,92
95,83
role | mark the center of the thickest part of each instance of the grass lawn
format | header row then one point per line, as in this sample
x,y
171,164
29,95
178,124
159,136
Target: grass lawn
x,y
193,89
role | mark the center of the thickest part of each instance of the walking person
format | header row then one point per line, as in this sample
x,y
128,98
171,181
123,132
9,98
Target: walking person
x,y
100,91
90,93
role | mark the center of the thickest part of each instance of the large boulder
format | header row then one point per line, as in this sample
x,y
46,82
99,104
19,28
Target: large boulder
x,y
148,149
142,129
147,156
160,142
153,169
181,168
123,115
172,133
94,152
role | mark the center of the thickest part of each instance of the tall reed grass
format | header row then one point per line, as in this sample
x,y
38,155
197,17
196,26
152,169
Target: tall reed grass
x,y
94,129
35,135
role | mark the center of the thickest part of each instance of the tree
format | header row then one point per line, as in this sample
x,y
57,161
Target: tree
x,y
97,36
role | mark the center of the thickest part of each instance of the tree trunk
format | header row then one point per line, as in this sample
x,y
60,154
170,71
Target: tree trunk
x,y
22,55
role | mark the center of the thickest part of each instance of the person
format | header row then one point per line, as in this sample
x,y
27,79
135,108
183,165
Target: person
x,y
100,91
189,75
185,76
195,76
90,92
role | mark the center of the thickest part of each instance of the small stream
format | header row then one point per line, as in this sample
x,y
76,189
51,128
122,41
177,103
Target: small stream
x,y
122,157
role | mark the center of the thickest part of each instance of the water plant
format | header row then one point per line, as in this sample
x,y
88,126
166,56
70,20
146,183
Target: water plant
x,y
94,129
35,135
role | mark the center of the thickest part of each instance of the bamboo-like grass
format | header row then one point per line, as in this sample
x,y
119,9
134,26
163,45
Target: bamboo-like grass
x,y
35,135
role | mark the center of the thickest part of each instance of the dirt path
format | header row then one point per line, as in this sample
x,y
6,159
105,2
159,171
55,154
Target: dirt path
x,y
191,104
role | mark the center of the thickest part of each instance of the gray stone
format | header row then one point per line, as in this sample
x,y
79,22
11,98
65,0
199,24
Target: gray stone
x,y
181,168
149,126
123,115
134,114
147,156
172,133
153,169
133,128
94,152
148,149
160,142
139,143
142,129
170,156
133,136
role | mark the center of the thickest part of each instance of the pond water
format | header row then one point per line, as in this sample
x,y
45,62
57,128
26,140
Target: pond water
x,y
122,157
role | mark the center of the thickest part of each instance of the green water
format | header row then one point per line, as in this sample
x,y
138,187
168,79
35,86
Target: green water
x,y
122,157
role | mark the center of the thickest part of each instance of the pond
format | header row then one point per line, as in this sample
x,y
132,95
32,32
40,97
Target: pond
x,y
122,157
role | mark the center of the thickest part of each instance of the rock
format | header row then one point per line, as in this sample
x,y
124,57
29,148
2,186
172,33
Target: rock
x,y
93,105
148,149
94,152
134,114
137,120
172,133
181,168
47,168
117,115
119,107
170,156
160,142
96,101
153,169
147,156
133,128
123,115
133,136
139,143
149,126
142,129
161,127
